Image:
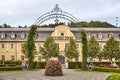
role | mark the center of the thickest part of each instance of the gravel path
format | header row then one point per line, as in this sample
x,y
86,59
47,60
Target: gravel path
x,y
69,74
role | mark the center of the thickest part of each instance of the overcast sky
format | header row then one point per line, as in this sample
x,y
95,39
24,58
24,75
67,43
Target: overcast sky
x,y
25,12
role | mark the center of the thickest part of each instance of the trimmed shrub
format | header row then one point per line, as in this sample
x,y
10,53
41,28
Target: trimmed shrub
x,y
113,77
53,68
40,65
105,69
8,68
9,62
101,63
104,64
34,64
74,65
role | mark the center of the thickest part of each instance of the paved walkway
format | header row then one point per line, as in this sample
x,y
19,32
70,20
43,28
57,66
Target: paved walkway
x,y
39,75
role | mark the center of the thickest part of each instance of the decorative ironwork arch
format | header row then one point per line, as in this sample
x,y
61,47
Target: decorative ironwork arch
x,y
56,14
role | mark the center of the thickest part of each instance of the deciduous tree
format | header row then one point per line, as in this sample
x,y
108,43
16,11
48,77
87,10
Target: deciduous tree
x,y
72,52
93,48
111,49
49,49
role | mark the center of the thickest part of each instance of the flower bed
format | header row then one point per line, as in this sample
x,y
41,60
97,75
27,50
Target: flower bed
x,y
53,68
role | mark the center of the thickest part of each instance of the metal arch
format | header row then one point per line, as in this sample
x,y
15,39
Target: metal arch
x,y
55,14
53,18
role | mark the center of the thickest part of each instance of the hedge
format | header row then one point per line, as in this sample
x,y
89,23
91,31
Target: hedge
x,y
113,77
18,62
73,65
8,68
105,69
40,65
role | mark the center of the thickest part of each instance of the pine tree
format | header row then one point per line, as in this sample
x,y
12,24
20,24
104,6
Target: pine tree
x,y
49,49
93,48
84,50
111,49
72,52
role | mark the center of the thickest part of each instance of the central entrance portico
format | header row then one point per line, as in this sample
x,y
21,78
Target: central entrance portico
x,y
61,36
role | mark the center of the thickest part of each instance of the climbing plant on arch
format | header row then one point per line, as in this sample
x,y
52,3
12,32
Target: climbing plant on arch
x,y
30,46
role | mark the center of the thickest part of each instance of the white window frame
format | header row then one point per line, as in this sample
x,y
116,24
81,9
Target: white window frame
x,y
3,36
100,36
12,35
89,35
22,35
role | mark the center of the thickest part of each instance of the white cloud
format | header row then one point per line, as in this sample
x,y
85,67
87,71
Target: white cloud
x,y
25,12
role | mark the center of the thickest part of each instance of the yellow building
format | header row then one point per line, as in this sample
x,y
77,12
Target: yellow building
x,y
12,39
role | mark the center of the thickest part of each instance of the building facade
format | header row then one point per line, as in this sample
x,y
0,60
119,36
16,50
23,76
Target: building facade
x,y
12,40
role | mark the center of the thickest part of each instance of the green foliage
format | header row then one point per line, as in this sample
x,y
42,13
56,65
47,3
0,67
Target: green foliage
x,y
71,52
18,62
84,50
53,68
101,63
83,24
30,46
74,65
52,25
49,49
91,24
5,26
111,49
8,68
40,65
105,69
93,47
24,51
114,77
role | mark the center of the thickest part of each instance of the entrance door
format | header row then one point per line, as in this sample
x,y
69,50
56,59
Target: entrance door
x,y
61,59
